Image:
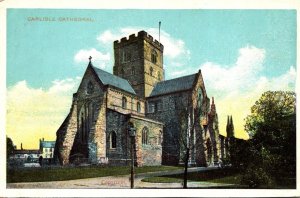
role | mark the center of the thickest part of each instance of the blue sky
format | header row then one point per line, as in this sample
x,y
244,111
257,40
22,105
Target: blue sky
x,y
241,54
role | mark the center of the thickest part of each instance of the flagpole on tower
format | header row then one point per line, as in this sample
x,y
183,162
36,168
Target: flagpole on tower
x,y
159,24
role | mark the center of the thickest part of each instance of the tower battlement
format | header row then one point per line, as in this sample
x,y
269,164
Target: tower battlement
x,y
142,35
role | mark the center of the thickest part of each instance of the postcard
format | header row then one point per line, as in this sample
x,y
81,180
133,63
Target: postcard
x,y
120,98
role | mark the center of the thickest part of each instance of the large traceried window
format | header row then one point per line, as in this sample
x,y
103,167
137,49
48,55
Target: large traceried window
x,y
86,120
113,140
124,103
145,134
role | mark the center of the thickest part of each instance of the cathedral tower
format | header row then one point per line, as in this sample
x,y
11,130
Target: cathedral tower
x,y
139,59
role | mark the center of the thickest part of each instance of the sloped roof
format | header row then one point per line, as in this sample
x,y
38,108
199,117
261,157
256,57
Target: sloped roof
x,y
173,85
48,144
110,79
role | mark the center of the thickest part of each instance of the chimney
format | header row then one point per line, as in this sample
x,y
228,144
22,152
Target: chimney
x,y
21,146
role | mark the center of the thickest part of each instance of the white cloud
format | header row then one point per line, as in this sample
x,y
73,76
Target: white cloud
x,y
106,37
236,87
239,76
36,113
99,58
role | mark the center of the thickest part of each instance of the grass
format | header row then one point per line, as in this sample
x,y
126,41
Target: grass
x,y
227,176
162,180
224,176
69,173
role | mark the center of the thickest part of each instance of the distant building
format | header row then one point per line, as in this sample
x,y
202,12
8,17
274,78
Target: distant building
x,y
47,148
26,155
21,156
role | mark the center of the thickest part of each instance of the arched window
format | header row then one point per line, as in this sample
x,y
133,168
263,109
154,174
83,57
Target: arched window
x,y
160,135
133,71
151,71
153,56
138,107
145,135
113,140
158,75
124,103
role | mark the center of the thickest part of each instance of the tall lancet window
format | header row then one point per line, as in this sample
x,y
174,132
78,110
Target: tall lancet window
x,y
113,140
124,103
145,134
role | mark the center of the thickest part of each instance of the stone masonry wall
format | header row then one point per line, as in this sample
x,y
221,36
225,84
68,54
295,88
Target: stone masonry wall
x,y
117,122
114,102
66,134
149,154
170,105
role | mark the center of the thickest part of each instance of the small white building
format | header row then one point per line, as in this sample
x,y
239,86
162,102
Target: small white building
x,y
47,148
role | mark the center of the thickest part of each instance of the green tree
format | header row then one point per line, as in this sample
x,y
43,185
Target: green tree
x,y
9,147
272,146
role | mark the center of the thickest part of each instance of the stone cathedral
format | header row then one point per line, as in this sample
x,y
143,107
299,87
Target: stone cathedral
x,y
169,115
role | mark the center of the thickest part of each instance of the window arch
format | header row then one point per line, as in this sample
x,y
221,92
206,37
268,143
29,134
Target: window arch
x,y
124,102
160,136
113,140
138,107
145,134
151,71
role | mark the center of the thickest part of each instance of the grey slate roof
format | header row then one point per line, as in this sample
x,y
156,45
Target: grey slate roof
x,y
48,144
110,79
173,85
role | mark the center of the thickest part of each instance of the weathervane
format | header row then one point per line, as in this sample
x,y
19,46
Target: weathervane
x,y
90,58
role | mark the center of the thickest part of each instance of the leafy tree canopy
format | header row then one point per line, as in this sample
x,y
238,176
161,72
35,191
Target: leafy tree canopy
x,y
9,147
272,130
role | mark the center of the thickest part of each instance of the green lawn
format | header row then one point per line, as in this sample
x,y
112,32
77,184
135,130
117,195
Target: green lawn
x,y
68,173
228,176
225,176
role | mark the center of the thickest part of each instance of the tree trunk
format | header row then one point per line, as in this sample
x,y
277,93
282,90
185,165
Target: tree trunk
x,y
186,161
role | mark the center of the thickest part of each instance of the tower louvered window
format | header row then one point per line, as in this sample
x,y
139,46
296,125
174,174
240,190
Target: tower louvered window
x,y
154,56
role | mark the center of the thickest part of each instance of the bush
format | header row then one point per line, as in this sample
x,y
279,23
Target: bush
x,y
256,177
